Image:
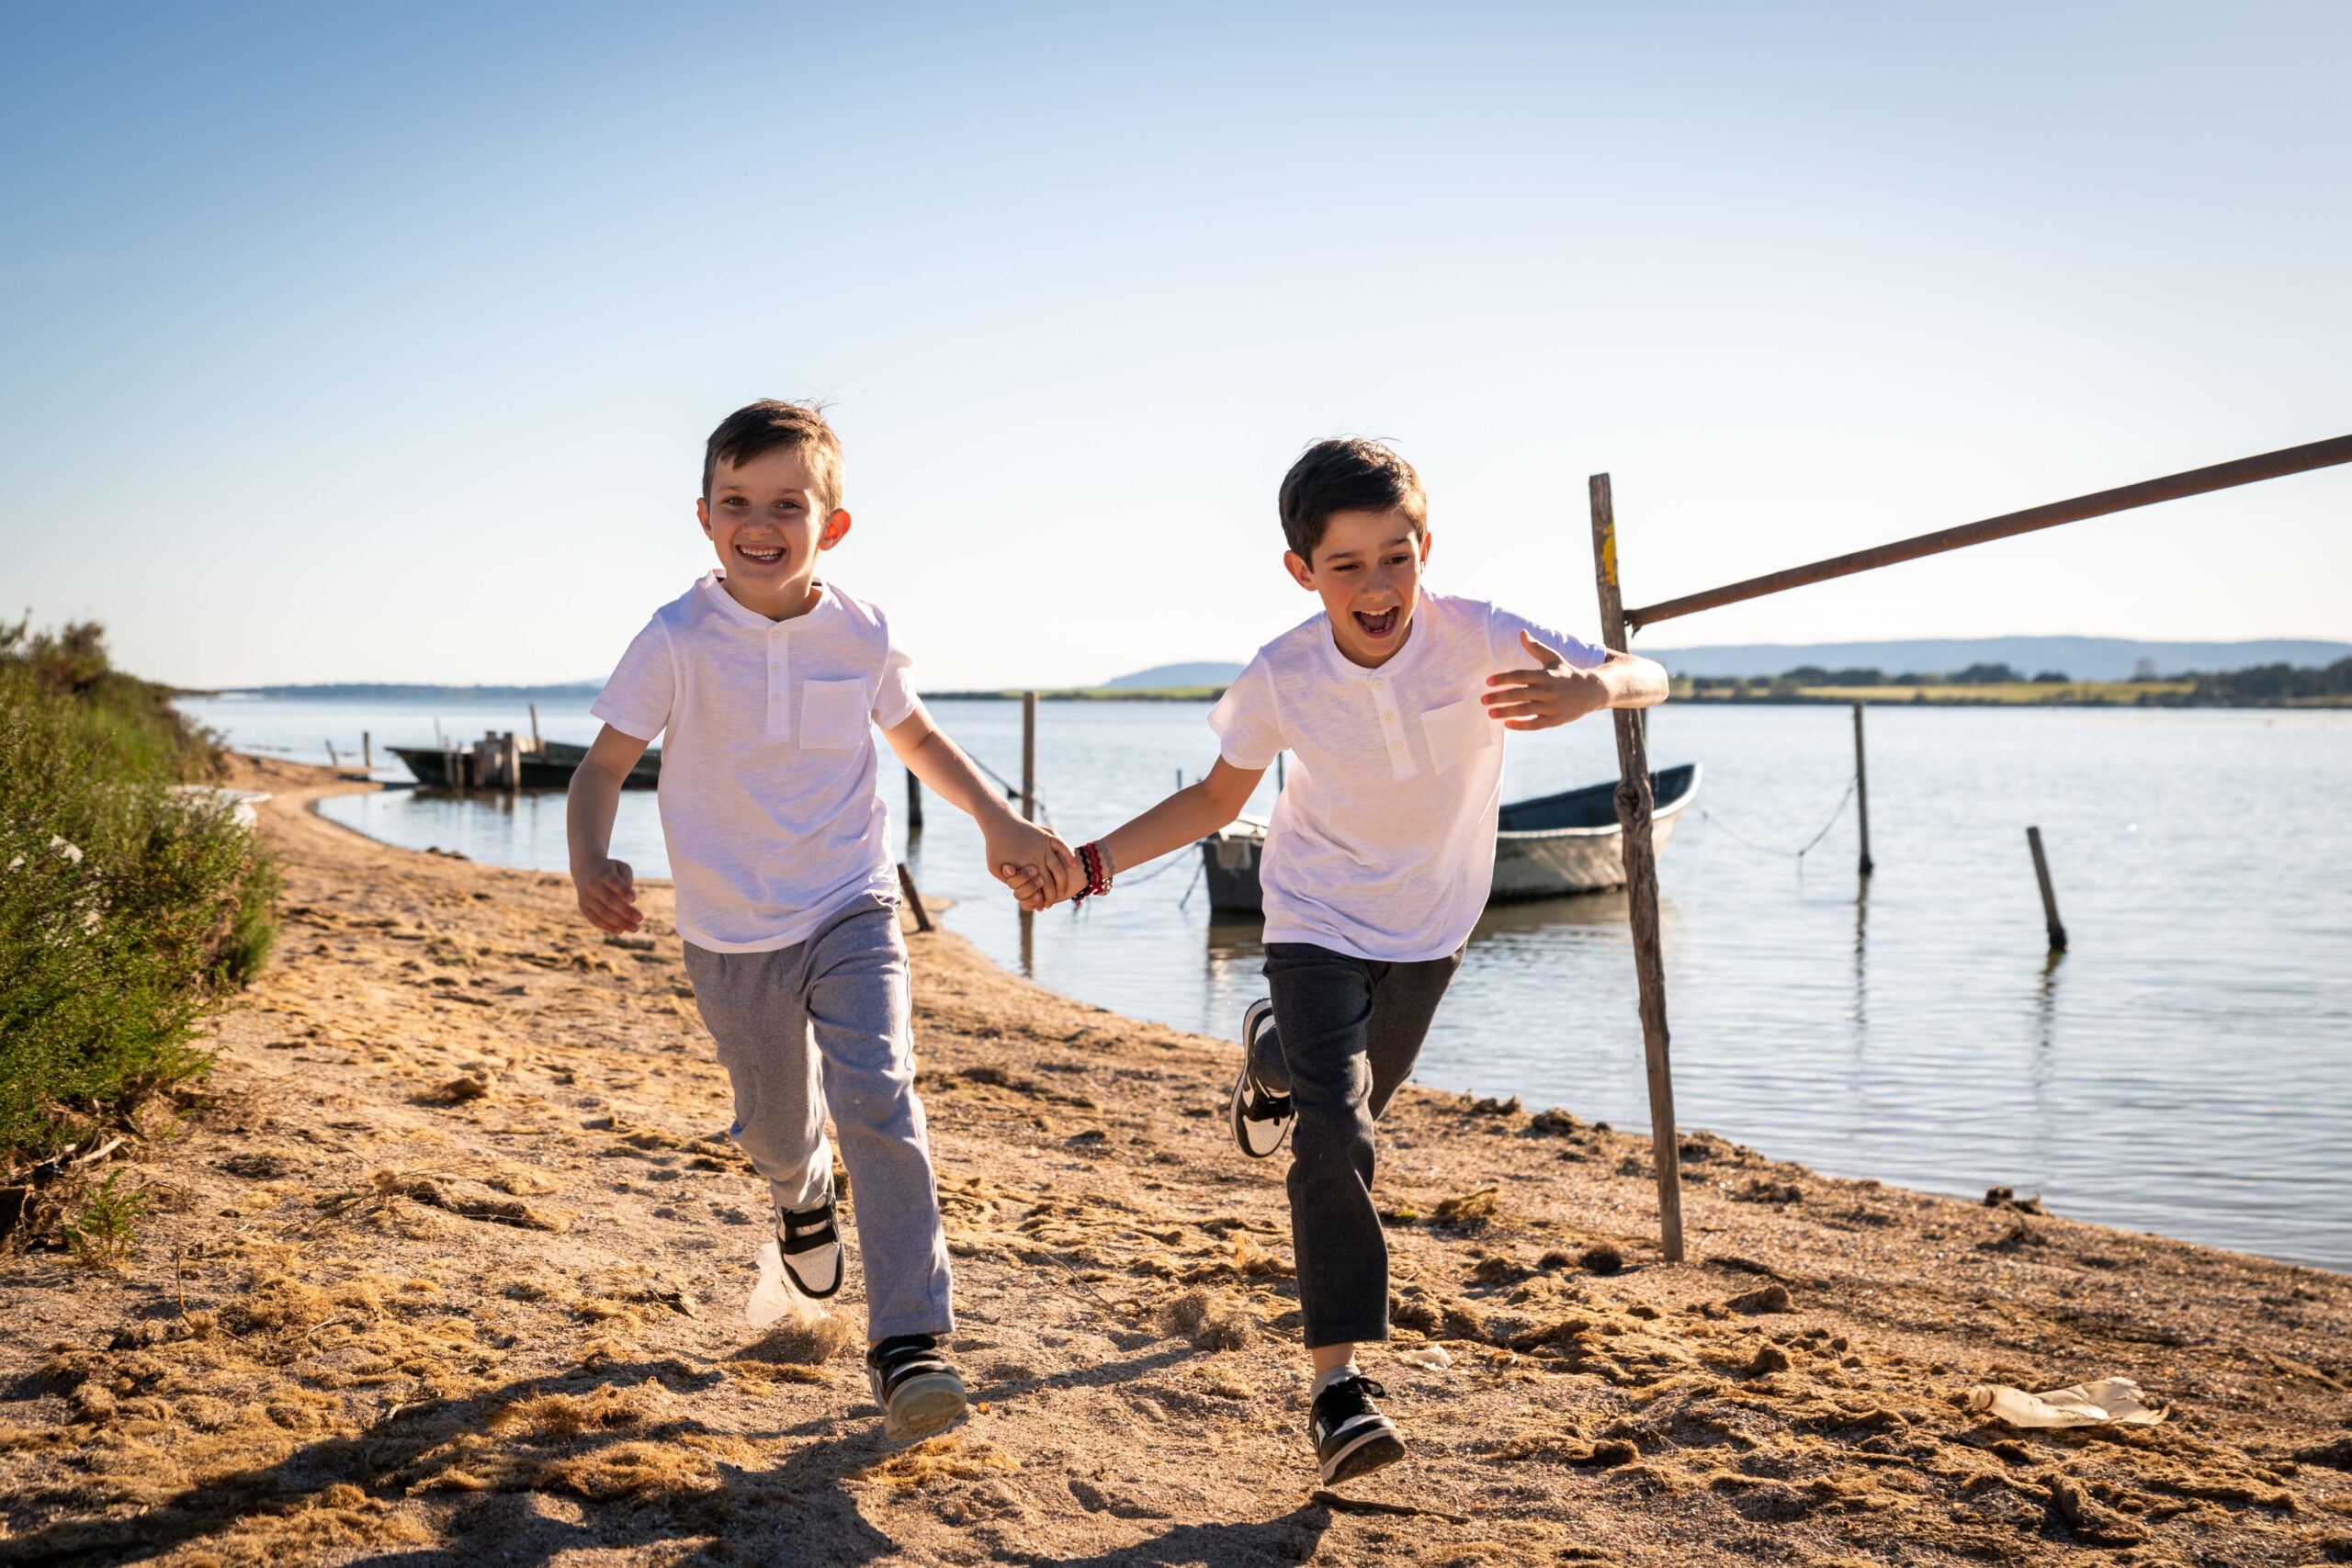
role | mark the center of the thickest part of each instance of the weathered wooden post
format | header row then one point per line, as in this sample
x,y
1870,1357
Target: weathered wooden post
x,y
2049,898
510,760
333,760
1862,787
914,898
1029,755
1634,803
367,750
914,804
536,744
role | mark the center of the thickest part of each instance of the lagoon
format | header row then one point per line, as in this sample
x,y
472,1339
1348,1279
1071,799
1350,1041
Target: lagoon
x,y
2186,1068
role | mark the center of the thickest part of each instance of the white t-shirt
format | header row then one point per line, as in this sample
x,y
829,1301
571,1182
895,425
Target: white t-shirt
x,y
768,802
1383,841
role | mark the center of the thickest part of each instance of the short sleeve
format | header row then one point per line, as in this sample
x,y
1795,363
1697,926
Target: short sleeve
x,y
893,695
1248,729
1510,653
636,699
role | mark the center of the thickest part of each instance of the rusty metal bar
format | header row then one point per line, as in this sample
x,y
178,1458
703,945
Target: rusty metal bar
x,y
2172,487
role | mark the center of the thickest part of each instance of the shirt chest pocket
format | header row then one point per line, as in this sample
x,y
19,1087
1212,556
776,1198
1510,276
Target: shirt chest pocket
x,y
833,714
1458,730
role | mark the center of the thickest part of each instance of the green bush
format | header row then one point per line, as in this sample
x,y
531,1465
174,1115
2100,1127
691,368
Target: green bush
x,y
128,912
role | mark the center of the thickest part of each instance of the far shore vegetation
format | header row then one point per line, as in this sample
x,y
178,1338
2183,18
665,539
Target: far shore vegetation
x,y
2269,686
132,908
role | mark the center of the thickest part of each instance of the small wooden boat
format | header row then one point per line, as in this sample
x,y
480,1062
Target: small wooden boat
x,y
548,765
1544,848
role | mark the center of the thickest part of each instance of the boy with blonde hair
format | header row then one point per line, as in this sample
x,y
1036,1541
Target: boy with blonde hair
x,y
767,683
1378,859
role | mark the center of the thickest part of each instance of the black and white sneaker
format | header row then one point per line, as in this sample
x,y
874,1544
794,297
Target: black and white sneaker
x,y
1352,1436
920,1393
809,1244
1261,1121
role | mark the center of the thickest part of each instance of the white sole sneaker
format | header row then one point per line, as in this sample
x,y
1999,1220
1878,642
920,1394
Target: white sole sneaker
x,y
1260,1120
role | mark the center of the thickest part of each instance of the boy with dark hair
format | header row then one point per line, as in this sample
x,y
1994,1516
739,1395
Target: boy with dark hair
x,y
768,681
1377,862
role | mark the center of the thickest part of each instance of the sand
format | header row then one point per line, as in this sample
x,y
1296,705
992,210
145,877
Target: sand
x,y
448,1262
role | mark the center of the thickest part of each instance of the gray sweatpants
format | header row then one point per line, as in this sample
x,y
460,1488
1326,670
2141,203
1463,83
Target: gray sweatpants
x,y
845,987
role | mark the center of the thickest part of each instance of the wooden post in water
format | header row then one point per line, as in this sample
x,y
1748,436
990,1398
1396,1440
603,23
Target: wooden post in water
x,y
510,758
536,744
1862,787
914,804
2049,898
1029,755
333,760
367,750
1634,805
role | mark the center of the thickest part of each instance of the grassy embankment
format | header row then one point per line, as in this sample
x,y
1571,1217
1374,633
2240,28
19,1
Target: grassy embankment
x,y
129,913
2005,694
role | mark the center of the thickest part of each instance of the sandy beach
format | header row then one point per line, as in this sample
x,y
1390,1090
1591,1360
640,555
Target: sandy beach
x,y
449,1259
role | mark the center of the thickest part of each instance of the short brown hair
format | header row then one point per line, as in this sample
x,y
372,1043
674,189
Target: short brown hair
x,y
768,424
1347,473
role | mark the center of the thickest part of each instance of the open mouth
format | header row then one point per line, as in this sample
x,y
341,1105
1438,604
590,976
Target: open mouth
x,y
760,555
1380,626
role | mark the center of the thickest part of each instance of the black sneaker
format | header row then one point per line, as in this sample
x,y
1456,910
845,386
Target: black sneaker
x,y
1352,1436
1261,1121
918,1391
810,1244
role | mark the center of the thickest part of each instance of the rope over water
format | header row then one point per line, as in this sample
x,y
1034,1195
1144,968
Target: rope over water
x,y
1773,849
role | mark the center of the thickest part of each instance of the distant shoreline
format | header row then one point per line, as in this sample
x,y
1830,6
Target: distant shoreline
x,y
2072,694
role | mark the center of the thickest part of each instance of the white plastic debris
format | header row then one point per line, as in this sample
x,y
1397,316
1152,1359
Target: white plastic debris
x,y
774,1296
1433,1357
240,802
2116,1401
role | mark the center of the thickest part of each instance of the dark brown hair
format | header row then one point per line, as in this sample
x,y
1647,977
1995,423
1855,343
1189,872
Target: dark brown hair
x,y
1347,473
764,426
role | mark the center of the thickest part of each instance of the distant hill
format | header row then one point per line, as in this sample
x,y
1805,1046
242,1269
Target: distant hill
x,y
2080,658
1161,676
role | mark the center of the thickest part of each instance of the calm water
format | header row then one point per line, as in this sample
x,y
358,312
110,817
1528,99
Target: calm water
x,y
2186,1068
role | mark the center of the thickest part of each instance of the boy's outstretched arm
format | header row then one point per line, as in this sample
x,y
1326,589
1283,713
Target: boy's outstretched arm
x,y
606,887
1185,818
1032,861
1557,693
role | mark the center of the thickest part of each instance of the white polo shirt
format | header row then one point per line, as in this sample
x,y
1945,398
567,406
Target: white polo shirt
x,y
1383,841
768,802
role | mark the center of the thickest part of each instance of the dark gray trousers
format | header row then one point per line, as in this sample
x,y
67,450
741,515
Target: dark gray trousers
x,y
1346,1033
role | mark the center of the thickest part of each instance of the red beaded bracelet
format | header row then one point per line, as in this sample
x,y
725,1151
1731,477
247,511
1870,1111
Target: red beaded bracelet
x,y
1096,863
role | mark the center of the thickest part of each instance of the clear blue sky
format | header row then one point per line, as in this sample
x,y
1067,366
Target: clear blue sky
x,y
379,342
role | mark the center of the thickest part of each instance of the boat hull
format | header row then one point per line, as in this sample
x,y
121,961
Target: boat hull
x,y
549,767
1584,854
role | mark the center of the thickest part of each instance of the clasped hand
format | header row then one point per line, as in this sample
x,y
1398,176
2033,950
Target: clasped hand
x,y
1041,870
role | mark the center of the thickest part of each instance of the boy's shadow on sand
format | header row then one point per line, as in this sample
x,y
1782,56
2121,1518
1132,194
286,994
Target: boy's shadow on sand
x,y
799,1510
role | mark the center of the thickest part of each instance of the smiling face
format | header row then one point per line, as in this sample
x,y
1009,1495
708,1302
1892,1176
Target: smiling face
x,y
1367,570
762,516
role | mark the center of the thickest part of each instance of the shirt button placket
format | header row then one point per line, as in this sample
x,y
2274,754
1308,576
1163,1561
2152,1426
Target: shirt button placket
x,y
779,687
1384,703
